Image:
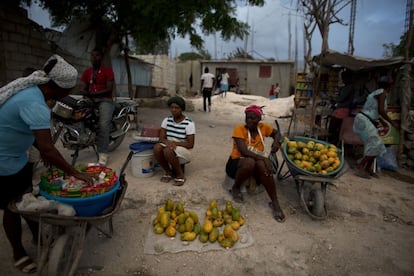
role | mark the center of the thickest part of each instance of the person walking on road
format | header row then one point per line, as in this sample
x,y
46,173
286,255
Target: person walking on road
x,y
224,83
207,86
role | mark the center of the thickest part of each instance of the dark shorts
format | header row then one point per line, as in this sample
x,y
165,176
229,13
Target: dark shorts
x,y
231,167
15,185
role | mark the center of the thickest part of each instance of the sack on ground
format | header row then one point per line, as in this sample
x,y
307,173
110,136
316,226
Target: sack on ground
x,y
388,161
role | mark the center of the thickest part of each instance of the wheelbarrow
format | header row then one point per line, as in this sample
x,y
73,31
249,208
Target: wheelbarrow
x,y
61,238
312,197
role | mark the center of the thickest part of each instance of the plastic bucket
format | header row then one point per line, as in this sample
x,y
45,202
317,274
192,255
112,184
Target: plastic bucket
x,y
142,161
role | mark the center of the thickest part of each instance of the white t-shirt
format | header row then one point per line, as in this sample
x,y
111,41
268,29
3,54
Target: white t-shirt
x,y
225,78
208,79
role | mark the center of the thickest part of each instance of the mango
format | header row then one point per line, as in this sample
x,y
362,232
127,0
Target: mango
x,y
214,213
194,216
234,236
169,205
203,237
161,210
235,214
165,219
158,229
220,237
213,204
170,231
229,207
181,228
241,220
179,208
208,213
197,228
227,243
189,224
218,222
227,219
188,236
207,226
181,219
235,225
213,235
228,231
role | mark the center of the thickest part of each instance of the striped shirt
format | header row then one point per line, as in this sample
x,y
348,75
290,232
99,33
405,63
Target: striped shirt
x,y
178,131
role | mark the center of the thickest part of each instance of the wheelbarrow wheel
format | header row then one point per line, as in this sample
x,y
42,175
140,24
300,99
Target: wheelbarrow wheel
x,y
59,258
316,203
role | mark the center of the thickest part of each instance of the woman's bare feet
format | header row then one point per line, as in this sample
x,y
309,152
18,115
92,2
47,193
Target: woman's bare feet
x,y
277,213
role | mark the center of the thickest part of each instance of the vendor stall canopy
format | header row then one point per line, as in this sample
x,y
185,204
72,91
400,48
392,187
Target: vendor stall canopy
x,y
332,58
403,74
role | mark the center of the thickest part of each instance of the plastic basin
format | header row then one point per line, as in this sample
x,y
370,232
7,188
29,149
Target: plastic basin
x,y
87,206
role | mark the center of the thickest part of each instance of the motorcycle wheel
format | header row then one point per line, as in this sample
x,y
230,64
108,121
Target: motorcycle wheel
x,y
115,142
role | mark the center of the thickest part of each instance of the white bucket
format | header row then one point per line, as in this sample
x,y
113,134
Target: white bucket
x,y
142,163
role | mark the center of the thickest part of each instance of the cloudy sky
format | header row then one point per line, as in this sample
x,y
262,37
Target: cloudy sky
x,y
377,22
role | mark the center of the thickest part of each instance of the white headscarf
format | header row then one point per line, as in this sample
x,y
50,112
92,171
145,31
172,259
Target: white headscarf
x,y
62,73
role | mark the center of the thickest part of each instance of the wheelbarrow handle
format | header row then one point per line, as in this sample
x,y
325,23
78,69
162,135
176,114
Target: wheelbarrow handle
x,y
278,130
121,173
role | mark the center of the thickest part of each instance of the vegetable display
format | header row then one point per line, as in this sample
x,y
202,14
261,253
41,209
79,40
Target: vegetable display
x,y
55,182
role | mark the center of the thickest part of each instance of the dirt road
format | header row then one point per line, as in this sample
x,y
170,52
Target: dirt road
x,y
368,230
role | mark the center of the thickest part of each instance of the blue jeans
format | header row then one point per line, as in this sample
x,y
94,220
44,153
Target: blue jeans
x,y
106,109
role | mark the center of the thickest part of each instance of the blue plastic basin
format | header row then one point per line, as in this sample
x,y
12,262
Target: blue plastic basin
x,y
87,206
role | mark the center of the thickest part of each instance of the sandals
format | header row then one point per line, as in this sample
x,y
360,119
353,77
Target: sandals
x,y
26,265
166,178
179,181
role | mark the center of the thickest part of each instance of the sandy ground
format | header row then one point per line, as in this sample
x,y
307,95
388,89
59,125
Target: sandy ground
x,y
368,230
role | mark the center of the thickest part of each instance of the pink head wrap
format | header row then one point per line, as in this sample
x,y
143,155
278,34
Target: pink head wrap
x,y
256,109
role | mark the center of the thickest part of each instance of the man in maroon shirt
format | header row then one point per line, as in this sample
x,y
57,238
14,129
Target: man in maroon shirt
x,y
99,84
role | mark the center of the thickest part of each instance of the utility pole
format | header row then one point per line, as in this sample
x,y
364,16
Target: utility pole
x,y
296,44
246,38
290,39
409,27
352,28
215,45
408,14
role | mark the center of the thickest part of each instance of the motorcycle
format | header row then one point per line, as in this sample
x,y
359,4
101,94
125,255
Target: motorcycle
x,y
75,121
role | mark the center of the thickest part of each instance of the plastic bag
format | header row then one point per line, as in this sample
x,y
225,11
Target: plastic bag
x,y
388,161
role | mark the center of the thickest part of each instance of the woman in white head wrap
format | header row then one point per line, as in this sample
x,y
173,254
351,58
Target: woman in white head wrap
x,y
56,70
25,120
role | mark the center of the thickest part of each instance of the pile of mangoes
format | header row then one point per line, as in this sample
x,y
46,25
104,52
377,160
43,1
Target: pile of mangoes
x,y
172,218
313,156
219,225
229,220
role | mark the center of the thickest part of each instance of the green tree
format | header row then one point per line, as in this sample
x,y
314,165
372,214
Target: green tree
x,y
389,49
152,22
392,50
202,54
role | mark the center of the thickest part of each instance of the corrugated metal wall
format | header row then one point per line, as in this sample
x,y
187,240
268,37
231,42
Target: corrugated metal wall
x,y
141,74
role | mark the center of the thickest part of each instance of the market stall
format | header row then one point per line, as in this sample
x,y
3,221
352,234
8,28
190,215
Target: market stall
x,y
366,73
